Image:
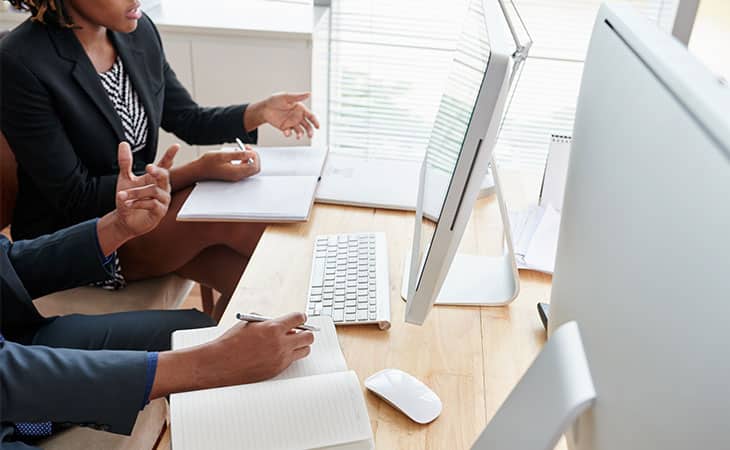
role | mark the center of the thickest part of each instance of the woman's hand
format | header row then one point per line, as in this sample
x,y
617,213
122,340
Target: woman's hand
x,y
285,112
229,166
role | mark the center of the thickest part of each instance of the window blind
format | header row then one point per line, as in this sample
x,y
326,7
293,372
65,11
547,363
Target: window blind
x,y
390,60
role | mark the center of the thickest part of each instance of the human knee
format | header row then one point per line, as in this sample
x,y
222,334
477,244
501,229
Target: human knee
x,y
189,318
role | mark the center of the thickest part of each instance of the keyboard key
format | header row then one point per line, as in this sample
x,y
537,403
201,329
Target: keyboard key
x,y
362,315
317,271
338,315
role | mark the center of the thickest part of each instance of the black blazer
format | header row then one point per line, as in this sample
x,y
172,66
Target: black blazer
x,y
64,130
39,383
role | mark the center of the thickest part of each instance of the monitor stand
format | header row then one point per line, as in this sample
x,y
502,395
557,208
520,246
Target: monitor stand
x,y
473,280
553,393
476,280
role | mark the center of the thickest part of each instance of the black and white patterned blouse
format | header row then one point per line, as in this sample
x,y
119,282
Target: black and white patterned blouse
x,y
126,102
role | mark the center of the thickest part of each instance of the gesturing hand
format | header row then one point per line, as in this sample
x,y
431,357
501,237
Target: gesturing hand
x,y
229,166
287,113
142,201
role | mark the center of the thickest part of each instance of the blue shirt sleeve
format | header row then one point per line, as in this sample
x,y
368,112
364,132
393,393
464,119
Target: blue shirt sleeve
x,y
151,371
106,261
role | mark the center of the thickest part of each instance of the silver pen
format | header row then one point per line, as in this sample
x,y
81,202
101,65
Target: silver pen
x,y
243,149
257,318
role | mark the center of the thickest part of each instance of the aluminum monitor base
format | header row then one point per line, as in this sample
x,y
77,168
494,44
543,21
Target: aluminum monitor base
x,y
473,281
477,280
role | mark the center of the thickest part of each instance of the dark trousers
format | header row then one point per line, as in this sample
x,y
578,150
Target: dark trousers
x,y
134,330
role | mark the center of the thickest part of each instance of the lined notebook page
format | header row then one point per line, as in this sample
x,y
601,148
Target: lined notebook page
x,y
299,413
257,198
326,355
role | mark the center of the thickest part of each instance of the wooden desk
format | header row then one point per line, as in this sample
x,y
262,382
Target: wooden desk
x,y
471,357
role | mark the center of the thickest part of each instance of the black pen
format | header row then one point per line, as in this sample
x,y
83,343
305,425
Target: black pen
x,y
257,318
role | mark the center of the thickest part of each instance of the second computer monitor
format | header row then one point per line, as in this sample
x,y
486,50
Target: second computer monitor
x,y
458,155
642,260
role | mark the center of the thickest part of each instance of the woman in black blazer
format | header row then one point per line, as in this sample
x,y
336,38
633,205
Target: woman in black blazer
x,y
82,76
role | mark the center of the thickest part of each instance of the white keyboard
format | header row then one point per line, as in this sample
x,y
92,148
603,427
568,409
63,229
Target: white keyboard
x,y
349,279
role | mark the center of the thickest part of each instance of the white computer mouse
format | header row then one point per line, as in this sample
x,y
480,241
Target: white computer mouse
x,y
405,393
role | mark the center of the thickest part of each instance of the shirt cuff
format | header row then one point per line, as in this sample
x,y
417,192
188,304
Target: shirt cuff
x,y
249,137
151,371
106,261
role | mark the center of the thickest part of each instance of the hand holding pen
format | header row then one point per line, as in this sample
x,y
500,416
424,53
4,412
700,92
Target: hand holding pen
x,y
260,318
227,166
243,148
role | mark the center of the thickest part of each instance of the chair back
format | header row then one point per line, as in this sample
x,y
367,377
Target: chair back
x,y
8,176
8,183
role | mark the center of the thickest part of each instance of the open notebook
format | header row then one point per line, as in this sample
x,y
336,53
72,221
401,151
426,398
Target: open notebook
x,y
282,192
315,404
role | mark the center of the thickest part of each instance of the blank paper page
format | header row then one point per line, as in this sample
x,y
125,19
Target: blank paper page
x,y
326,355
255,198
278,161
299,413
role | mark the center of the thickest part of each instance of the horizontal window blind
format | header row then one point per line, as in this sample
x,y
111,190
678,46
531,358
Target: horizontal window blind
x,y
390,60
546,96
389,63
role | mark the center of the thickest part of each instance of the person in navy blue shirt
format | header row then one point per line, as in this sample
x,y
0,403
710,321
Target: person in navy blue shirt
x,y
102,370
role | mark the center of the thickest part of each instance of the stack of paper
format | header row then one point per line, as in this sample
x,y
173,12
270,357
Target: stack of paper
x,y
535,230
535,235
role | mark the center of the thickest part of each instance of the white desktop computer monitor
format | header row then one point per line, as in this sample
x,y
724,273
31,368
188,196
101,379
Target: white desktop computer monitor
x,y
643,253
457,158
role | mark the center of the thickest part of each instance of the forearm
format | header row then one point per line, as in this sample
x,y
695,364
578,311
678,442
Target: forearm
x,y
110,233
42,263
186,175
253,116
186,370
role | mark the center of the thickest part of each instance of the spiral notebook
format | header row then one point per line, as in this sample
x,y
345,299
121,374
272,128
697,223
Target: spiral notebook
x,y
314,404
282,192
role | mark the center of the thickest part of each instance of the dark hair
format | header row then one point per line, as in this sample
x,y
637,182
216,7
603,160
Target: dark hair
x,y
45,11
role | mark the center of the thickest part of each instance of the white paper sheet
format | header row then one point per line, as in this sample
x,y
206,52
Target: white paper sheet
x,y
311,412
283,161
544,244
